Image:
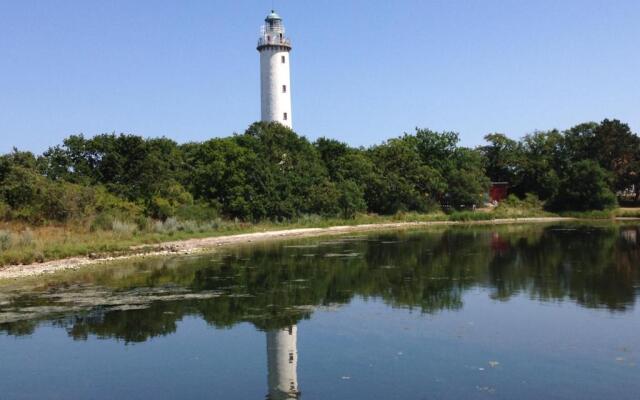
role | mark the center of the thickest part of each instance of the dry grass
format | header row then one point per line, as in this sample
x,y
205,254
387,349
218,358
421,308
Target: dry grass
x,y
22,244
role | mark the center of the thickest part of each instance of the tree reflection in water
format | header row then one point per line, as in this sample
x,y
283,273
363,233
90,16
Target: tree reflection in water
x,y
274,286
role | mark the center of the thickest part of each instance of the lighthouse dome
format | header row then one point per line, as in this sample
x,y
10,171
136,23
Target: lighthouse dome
x,y
273,17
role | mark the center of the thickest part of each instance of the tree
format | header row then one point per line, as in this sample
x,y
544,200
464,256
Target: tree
x,y
584,187
466,180
350,199
219,175
461,171
286,171
402,181
540,165
503,158
612,144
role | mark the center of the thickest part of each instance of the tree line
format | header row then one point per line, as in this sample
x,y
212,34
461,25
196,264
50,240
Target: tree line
x,y
271,173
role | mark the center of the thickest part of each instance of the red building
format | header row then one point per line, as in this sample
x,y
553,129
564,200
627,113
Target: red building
x,y
498,191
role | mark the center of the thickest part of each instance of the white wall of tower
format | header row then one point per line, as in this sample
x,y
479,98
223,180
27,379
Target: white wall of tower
x,y
275,80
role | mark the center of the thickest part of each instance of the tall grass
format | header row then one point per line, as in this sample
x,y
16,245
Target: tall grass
x,y
594,214
463,216
123,228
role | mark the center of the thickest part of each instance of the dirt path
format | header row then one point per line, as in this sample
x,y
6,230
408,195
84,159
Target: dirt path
x,y
190,246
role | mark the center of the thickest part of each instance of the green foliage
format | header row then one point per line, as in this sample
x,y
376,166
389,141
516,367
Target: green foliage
x,y
467,182
544,163
612,145
403,182
5,240
197,211
271,173
591,214
514,207
168,201
286,171
350,199
4,210
502,156
585,187
539,165
464,216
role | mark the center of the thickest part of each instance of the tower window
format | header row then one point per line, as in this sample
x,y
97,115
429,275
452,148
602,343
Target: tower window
x,y
284,59
286,116
284,88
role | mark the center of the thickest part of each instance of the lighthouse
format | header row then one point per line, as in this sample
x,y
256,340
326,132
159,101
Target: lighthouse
x,y
275,77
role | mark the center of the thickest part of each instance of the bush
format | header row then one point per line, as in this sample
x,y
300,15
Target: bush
x,y
115,207
26,238
5,240
4,210
102,222
189,226
123,228
530,201
514,207
197,212
161,208
170,225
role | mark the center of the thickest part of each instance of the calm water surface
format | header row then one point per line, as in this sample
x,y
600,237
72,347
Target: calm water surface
x,y
525,312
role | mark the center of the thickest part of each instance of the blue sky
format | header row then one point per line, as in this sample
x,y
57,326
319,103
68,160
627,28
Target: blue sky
x,y
362,71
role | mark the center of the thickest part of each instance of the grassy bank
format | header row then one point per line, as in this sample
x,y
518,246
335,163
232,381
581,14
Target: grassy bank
x,y
22,244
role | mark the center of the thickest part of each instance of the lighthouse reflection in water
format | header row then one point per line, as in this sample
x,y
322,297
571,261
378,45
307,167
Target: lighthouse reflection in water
x,y
282,359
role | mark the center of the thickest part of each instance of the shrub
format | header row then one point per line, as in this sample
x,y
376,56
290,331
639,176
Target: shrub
x,y
189,226
161,208
530,201
26,238
514,207
124,228
170,225
170,199
5,240
158,226
197,212
144,223
114,206
4,210
102,222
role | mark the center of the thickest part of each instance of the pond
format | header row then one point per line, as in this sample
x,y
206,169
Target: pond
x,y
499,312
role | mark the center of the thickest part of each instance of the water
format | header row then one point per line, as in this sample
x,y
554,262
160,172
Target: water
x,y
507,312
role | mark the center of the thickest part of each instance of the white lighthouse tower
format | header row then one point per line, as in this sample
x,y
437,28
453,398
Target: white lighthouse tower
x,y
275,77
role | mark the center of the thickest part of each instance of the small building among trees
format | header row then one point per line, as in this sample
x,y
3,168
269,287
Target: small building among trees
x,y
498,191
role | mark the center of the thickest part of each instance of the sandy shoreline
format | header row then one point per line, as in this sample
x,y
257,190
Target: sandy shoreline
x,y
191,246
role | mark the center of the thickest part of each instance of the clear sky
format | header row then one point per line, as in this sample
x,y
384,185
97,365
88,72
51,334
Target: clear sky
x,y
362,71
